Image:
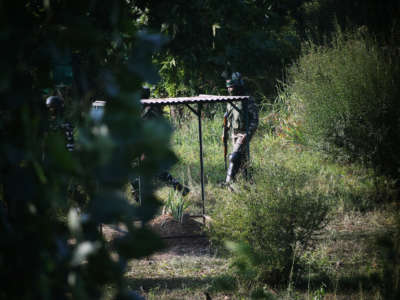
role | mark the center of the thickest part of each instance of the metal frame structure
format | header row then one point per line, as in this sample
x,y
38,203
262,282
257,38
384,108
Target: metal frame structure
x,y
98,109
199,100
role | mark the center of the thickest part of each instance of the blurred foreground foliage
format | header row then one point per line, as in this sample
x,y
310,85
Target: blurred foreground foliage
x,y
49,248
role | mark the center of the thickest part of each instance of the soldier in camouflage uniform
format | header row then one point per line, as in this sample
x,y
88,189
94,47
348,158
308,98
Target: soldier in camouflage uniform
x,y
151,112
242,125
57,122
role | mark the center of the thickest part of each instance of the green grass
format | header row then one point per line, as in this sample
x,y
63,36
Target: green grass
x,y
178,277
353,186
344,262
355,255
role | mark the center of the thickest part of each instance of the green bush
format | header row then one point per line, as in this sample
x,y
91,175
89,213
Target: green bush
x,y
345,95
276,221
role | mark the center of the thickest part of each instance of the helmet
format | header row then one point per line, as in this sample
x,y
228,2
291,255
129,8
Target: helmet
x,y
235,80
55,104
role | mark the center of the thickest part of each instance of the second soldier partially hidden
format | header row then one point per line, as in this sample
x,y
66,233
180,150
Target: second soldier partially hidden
x,y
242,122
151,112
59,125
57,121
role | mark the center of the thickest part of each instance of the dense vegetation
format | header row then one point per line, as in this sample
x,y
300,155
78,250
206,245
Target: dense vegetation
x,y
351,103
309,225
326,76
49,250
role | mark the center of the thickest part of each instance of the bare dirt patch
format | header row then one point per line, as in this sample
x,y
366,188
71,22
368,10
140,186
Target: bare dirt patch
x,y
186,238
185,269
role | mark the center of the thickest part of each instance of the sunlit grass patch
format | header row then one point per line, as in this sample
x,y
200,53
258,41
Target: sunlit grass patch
x,y
178,277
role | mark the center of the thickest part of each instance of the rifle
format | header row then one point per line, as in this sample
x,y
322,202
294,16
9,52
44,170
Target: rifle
x,y
225,138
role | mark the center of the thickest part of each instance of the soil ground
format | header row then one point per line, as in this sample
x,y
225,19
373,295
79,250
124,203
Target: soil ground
x,y
186,268
183,269
186,238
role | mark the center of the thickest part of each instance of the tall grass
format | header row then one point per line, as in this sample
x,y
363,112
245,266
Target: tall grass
x,y
345,96
176,205
296,191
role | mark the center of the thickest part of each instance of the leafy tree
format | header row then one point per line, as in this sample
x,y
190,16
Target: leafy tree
x,y
206,37
316,19
48,250
258,37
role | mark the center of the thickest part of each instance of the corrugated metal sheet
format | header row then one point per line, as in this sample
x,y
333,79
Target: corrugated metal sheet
x,y
98,103
192,100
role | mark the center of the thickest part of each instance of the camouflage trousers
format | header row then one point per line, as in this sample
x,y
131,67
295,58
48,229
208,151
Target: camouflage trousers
x,y
238,159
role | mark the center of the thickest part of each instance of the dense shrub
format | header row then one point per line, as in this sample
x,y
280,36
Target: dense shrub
x,y
276,221
345,95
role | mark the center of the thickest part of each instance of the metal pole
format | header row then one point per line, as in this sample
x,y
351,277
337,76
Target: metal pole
x,y
140,190
246,111
201,161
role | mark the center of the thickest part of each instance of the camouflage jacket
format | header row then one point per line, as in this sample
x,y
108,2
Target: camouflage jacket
x,y
68,130
248,113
